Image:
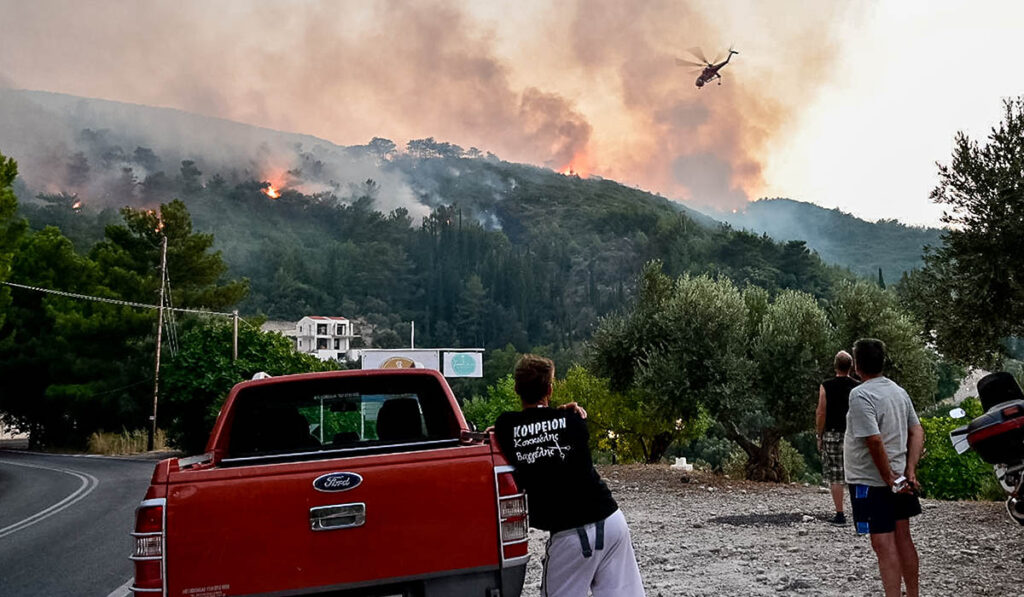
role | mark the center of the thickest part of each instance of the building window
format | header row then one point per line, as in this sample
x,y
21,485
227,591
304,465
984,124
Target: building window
x,y
341,329
321,343
341,356
337,344
321,329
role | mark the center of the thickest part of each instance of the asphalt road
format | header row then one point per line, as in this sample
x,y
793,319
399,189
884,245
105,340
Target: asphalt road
x,y
64,523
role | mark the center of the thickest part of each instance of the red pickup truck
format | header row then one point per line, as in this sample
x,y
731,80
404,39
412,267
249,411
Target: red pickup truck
x,y
352,483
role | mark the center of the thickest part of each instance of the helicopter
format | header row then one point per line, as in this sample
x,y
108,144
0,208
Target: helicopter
x,y
709,70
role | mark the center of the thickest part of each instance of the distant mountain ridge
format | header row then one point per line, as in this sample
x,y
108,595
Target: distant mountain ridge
x,y
81,145
838,237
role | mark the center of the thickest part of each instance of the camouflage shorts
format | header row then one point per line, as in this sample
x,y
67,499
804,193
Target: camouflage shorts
x,y
832,457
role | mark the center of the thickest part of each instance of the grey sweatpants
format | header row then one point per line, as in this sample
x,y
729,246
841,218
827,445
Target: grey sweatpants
x,y
608,572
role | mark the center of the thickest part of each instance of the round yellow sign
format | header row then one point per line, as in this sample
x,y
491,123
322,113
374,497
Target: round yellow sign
x,y
398,363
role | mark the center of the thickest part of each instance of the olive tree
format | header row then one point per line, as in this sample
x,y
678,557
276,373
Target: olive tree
x,y
971,291
863,310
679,349
789,350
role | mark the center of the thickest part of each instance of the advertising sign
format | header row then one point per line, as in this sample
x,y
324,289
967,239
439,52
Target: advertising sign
x,y
401,359
463,364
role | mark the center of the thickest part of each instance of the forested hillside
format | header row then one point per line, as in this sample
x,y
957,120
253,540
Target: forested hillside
x,y
476,250
839,237
507,253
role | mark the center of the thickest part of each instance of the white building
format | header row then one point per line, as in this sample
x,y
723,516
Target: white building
x,y
326,337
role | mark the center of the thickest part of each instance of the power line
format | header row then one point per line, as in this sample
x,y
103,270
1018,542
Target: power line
x,y
101,299
172,325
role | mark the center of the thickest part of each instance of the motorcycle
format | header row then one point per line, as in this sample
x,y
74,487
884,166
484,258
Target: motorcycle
x,y
997,436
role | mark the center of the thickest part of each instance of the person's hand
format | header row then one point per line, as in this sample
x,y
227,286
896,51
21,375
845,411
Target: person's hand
x,y
890,479
576,408
911,476
489,429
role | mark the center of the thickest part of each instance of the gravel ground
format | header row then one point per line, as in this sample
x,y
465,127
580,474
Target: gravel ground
x,y
714,536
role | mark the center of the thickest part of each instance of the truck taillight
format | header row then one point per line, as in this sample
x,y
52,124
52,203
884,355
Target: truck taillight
x,y
513,515
148,556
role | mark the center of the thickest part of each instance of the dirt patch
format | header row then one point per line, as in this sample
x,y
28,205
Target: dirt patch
x,y
714,536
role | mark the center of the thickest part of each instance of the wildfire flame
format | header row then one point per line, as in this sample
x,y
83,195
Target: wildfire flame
x,y
76,205
577,166
271,191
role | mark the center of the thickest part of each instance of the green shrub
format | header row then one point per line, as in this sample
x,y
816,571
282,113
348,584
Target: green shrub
x,y
735,464
806,443
793,464
483,410
628,425
713,449
943,473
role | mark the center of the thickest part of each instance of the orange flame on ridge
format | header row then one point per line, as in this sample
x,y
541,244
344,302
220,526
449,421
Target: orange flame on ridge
x,y
271,191
577,166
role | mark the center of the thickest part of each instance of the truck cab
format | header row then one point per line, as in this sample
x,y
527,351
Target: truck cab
x,y
349,483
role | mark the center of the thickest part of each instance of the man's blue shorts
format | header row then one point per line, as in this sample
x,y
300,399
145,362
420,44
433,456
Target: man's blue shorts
x,y
876,509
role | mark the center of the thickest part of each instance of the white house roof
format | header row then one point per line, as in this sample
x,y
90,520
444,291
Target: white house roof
x,y
325,318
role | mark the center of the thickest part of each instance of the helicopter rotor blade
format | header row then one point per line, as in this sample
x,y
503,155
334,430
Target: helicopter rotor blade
x,y
682,62
696,51
718,58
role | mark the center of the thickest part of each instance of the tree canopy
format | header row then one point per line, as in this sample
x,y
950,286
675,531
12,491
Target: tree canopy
x,y
68,366
750,360
970,294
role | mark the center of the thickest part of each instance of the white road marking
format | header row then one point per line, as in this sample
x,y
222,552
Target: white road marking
x,y
89,483
123,590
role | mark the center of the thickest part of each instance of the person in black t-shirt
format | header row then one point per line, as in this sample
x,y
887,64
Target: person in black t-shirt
x,y
589,548
830,420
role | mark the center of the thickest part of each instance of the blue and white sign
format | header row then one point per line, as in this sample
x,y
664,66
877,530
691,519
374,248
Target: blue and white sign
x,y
463,364
337,482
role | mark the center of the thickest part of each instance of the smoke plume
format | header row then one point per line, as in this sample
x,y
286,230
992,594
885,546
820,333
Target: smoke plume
x,y
587,84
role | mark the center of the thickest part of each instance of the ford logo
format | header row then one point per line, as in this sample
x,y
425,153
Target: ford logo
x,y
337,482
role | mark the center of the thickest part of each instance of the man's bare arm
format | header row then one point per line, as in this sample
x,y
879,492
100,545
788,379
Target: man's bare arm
x,y
877,449
915,446
819,415
576,408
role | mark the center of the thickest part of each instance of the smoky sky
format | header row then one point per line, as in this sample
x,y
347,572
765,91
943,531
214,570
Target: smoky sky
x,y
589,83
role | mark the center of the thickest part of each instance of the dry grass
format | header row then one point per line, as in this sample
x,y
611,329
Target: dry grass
x,y
126,442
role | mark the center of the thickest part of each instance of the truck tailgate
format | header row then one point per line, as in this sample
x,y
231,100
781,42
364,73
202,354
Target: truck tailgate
x,y
251,529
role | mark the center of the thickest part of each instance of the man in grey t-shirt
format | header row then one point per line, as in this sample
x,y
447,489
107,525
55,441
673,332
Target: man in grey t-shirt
x,y
883,442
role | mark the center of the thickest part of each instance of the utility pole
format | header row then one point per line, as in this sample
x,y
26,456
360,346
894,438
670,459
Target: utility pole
x,y
412,336
159,337
234,351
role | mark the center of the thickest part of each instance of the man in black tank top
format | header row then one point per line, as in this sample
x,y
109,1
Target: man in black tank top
x,y
589,549
830,419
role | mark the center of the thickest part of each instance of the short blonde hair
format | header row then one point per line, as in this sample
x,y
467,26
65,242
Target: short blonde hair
x,y
843,362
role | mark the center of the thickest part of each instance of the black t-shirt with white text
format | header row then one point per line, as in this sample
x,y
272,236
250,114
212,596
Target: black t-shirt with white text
x,y
549,448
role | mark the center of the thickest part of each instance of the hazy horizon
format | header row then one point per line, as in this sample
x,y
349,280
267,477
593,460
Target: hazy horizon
x,y
844,105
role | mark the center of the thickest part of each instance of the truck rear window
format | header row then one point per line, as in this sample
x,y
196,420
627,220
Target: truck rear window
x,y
339,414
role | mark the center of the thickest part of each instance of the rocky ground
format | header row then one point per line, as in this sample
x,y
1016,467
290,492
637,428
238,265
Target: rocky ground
x,y
715,536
